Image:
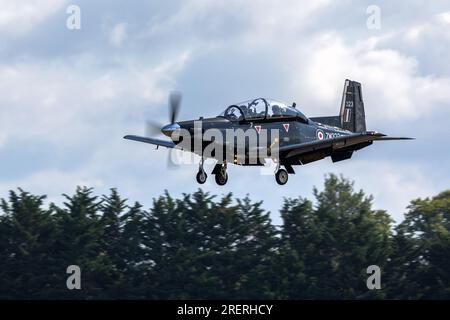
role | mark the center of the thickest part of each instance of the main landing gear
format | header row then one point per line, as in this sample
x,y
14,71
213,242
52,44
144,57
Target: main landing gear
x,y
219,172
221,175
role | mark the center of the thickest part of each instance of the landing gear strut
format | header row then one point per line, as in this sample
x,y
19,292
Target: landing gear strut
x,y
201,175
221,175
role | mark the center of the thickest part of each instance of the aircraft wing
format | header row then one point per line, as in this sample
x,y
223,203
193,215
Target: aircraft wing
x,y
156,142
334,144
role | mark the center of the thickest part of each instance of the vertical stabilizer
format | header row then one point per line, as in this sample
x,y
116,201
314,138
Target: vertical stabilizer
x,y
352,114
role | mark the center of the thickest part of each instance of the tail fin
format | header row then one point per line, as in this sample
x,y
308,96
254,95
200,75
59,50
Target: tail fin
x,y
352,114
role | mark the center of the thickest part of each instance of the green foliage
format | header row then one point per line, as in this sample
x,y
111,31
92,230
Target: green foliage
x,y
26,236
201,247
335,241
421,261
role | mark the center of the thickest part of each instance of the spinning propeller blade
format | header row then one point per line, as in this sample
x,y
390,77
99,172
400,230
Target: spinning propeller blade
x,y
153,128
174,106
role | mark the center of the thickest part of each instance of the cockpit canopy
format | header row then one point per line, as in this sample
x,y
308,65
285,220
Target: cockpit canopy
x,y
260,109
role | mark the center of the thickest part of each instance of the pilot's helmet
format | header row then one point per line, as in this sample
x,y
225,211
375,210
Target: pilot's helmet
x,y
276,110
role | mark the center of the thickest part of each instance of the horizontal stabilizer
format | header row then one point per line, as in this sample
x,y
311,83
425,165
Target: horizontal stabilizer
x,y
394,138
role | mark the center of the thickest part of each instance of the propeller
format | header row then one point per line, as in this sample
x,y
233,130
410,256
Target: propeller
x,y
153,128
174,106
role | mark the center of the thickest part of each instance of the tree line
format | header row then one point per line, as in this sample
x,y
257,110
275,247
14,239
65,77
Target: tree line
x,y
205,247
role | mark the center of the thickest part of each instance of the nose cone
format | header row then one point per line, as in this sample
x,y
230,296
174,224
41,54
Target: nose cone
x,y
170,129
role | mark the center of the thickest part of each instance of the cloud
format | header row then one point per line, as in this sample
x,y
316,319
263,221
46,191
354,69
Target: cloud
x,y
65,104
118,34
424,40
18,17
53,183
393,184
65,122
444,18
315,61
215,23
393,88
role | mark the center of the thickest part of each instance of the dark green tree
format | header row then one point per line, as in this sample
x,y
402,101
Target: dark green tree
x,y
78,243
333,242
257,252
200,248
132,259
27,235
421,261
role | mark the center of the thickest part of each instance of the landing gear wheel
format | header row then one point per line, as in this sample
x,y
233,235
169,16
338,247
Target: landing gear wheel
x,y
282,177
221,178
201,177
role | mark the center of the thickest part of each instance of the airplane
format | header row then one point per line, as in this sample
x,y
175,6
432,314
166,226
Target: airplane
x,y
299,140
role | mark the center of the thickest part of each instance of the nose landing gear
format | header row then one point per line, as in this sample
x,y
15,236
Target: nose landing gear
x,y
201,175
282,177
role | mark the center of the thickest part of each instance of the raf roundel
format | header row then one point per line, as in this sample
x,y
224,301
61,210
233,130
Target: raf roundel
x,y
320,135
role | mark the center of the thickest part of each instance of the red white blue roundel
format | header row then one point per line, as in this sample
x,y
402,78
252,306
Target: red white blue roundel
x,y
320,135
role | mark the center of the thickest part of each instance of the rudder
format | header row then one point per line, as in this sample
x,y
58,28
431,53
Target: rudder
x,y
352,113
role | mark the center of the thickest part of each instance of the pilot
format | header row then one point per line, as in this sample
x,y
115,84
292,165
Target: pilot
x,y
244,109
251,111
276,111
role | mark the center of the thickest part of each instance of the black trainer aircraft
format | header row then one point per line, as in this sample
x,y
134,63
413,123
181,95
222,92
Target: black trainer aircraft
x,y
300,140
